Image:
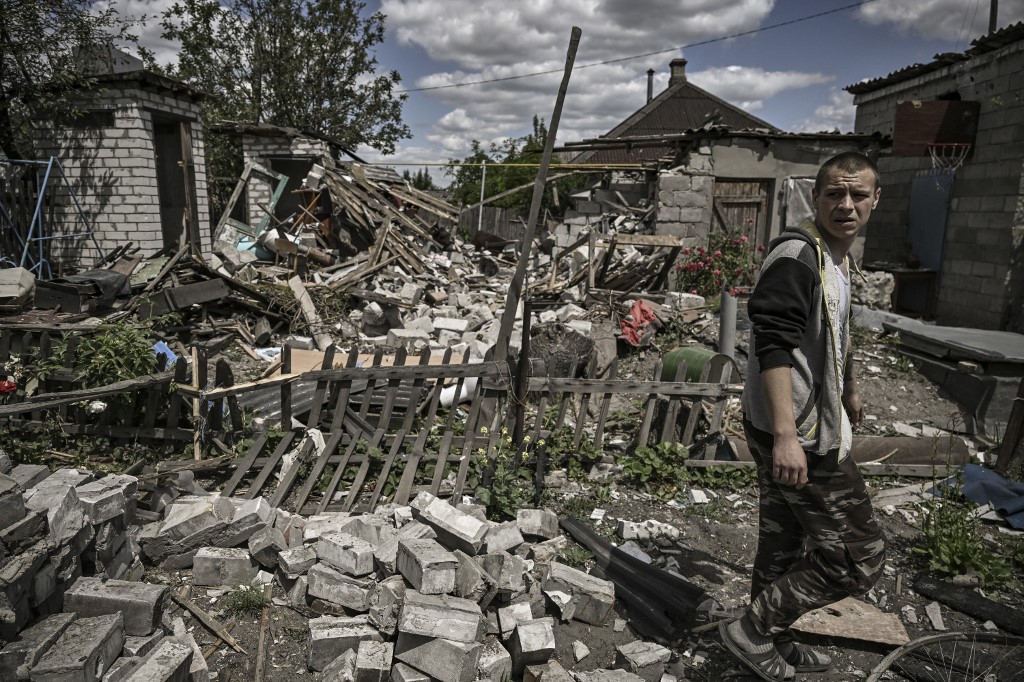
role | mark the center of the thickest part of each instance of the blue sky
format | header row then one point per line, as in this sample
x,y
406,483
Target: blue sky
x,y
791,77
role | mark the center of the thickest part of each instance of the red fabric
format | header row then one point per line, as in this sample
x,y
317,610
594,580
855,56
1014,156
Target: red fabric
x,y
639,331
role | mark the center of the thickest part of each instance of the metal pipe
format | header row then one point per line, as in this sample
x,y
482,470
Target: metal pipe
x,y
993,15
483,183
650,84
727,324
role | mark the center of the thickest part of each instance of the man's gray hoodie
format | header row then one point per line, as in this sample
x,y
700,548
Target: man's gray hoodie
x,y
795,314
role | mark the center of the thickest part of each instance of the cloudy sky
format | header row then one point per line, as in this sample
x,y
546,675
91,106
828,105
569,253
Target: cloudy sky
x,y
791,76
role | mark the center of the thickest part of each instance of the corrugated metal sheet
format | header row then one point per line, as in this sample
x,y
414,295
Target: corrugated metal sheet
x,y
989,43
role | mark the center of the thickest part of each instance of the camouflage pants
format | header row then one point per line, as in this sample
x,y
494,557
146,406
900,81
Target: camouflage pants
x,y
815,546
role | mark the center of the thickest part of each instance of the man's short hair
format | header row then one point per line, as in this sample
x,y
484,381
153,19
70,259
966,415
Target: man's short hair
x,y
847,162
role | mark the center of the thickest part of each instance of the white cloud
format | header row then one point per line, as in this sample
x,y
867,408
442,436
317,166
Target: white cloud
x,y
959,20
149,30
837,114
748,87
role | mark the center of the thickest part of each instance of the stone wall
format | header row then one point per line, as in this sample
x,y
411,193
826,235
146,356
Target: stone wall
x,y
981,281
685,198
260,149
112,170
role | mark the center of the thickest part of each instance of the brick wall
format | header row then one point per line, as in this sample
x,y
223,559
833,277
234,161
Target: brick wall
x,y
981,282
112,171
685,199
261,149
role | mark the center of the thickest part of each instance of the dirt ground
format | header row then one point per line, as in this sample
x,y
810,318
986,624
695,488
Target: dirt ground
x,y
715,551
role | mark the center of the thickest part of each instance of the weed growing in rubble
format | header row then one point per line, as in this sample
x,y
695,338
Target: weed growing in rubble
x,y
577,460
728,260
117,351
575,556
657,470
245,600
952,541
511,481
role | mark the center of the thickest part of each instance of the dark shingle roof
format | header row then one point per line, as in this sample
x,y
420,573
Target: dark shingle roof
x,y
681,107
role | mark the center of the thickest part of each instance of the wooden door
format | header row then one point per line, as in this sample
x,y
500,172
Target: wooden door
x,y
741,207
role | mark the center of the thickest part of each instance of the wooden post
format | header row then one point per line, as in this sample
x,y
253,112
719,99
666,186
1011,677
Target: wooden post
x,y
522,377
508,317
199,409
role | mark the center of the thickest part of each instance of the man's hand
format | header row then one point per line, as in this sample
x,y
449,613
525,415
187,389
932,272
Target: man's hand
x,y
852,403
789,462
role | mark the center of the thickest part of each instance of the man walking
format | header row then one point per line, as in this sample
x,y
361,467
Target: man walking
x,y
818,541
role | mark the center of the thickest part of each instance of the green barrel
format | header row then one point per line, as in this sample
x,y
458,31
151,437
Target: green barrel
x,y
696,359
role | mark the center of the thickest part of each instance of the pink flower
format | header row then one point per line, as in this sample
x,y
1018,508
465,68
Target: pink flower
x,y
732,292
687,251
760,248
735,242
693,291
718,253
744,237
700,249
716,273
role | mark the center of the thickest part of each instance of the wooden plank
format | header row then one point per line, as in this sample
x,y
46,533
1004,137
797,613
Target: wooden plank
x,y
472,428
270,465
176,400
417,394
243,467
47,401
316,326
221,370
126,432
409,474
343,393
317,405
371,385
339,470
649,407
357,483
288,477
606,401
672,409
396,446
318,468
177,298
286,388
435,395
686,390
442,458
1013,436
584,404
389,398
718,410
696,409
966,600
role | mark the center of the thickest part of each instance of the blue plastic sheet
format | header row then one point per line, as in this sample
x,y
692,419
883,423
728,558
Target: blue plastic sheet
x,y
985,486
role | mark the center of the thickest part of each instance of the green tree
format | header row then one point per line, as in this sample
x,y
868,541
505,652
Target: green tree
x,y
421,180
305,64
40,62
515,162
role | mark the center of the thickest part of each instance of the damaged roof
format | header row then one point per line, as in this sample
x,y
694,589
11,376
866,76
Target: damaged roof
x,y
681,107
988,43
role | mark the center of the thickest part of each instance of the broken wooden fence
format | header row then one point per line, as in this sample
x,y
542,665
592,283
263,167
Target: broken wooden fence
x,y
385,434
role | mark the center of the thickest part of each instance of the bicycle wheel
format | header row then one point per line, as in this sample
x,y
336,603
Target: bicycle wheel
x,y
955,657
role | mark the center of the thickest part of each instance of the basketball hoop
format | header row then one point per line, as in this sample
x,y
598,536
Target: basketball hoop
x,y
948,156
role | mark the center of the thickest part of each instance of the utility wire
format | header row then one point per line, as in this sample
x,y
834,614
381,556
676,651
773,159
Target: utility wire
x,y
700,43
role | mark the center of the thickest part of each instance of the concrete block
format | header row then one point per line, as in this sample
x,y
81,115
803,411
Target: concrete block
x,y
606,676
140,646
295,562
544,552
444,617
198,670
265,544
506,569
326,583
321,524
644,659
12,504
373,661
27,531
554,672
29,475
218,566
409,339
531,643
169,662
331,636
247,517
457,325
60,502
537,523
511,616
470,581
455,529
83,652
579,596
386,604
190,515
18,657
495,663
351,555
371,528
291,526
17,576
386,554
295,589
141,603
341,669
441,659
503,537
108,497
122,668
400,672
428,566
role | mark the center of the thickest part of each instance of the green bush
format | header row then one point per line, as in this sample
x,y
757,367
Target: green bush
x,y
727,260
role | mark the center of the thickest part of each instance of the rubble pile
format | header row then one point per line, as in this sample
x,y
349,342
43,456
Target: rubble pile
x,y
425,591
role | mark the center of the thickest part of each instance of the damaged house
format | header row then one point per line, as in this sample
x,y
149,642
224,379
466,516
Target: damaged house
x,y
719,167
953,212
134,161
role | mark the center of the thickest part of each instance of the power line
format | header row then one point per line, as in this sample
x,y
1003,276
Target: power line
x,y
700,43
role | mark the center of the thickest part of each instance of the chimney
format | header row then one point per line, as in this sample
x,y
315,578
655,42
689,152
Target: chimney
x,y
993,16
650,84
678,71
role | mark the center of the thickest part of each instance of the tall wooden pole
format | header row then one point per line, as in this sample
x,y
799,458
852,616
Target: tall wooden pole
x,y
508,317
